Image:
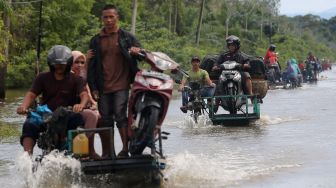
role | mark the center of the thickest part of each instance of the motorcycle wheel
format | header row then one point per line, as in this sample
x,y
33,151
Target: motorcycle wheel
x,y
232,100
196,114
272,75
145,134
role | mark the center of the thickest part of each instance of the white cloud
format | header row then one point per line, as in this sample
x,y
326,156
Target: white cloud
x,y
292,7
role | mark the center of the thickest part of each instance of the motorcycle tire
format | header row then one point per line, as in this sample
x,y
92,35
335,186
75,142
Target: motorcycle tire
x,y
196,114
271,76
145,134
232,100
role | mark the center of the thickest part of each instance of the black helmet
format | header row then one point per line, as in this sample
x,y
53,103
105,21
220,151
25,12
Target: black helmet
x,y
272,47
195,58
60,54
233,40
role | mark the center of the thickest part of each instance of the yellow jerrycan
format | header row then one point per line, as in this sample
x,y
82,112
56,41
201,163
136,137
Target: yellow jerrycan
x,y
80,145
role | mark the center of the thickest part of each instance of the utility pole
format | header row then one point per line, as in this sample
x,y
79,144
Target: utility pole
x,y
200,18
134,14
270,35
38,51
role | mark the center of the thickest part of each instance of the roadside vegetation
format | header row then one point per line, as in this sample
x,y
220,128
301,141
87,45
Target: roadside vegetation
x,y
180,28
7,131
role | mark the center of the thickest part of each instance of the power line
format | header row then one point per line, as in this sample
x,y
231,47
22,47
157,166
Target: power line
x,y
26,2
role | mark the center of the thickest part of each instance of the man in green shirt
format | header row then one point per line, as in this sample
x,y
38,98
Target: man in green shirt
x,y
196,74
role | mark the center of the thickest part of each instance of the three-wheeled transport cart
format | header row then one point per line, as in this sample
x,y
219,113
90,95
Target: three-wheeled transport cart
x,y
146,163
244,116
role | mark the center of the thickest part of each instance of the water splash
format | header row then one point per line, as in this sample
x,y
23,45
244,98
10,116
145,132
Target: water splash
x,y
203,122
268,120
199,170
55,170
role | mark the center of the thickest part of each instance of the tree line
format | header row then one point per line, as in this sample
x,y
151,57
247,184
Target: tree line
x,y
180,28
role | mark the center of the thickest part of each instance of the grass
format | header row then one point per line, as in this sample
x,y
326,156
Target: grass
x,y
8,131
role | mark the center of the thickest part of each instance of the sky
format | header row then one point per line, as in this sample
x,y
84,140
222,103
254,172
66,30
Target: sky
x,y
301,7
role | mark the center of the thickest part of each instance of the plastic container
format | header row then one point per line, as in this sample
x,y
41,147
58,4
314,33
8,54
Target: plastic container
x,y
80,145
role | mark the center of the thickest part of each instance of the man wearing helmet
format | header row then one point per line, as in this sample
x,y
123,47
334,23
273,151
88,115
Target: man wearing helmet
x,y
234,54
59,87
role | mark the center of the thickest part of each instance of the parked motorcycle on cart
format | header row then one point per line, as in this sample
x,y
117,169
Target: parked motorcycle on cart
x,y
148,103
230,85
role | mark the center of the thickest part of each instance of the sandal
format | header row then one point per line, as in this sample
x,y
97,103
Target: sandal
x,y
122,154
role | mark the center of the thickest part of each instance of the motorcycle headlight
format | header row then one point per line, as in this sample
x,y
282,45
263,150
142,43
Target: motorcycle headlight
x,y
141,80
237,77
154,82
168,85
222,78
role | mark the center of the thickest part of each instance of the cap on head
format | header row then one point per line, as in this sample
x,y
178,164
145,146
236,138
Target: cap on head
x,y
195,58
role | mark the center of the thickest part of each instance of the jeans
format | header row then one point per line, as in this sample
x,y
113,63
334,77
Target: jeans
x,y
205,92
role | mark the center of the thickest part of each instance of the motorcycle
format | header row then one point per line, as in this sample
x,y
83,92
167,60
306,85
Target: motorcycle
x,y
54,128
273,74
148,103
230,84
311,67
196,104
290,83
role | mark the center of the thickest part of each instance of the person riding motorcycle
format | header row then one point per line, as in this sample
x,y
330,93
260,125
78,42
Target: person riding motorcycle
x,y
234,54
293,72
298,71
58,87
271,60
196,74
312,64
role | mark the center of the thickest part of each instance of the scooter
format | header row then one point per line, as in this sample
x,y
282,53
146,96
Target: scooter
x,y
229,84
148,103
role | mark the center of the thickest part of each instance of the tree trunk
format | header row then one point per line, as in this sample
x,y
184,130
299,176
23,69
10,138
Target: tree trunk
x,y
198,32
246,17
3,70
38,51
134,14
3,66
175,17
261,25
227,27
170,16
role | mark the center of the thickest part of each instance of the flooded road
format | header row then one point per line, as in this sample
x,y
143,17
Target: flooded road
x,y
292,145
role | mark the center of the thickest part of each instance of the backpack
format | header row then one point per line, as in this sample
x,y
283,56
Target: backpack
x,y
207,64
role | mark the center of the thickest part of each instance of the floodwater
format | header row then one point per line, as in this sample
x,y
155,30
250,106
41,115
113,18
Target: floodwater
x,y
292,145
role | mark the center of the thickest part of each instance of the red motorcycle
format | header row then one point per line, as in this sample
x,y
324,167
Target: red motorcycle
x,y
148,103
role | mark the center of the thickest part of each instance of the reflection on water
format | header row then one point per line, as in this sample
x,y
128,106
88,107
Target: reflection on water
x,y
293,138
